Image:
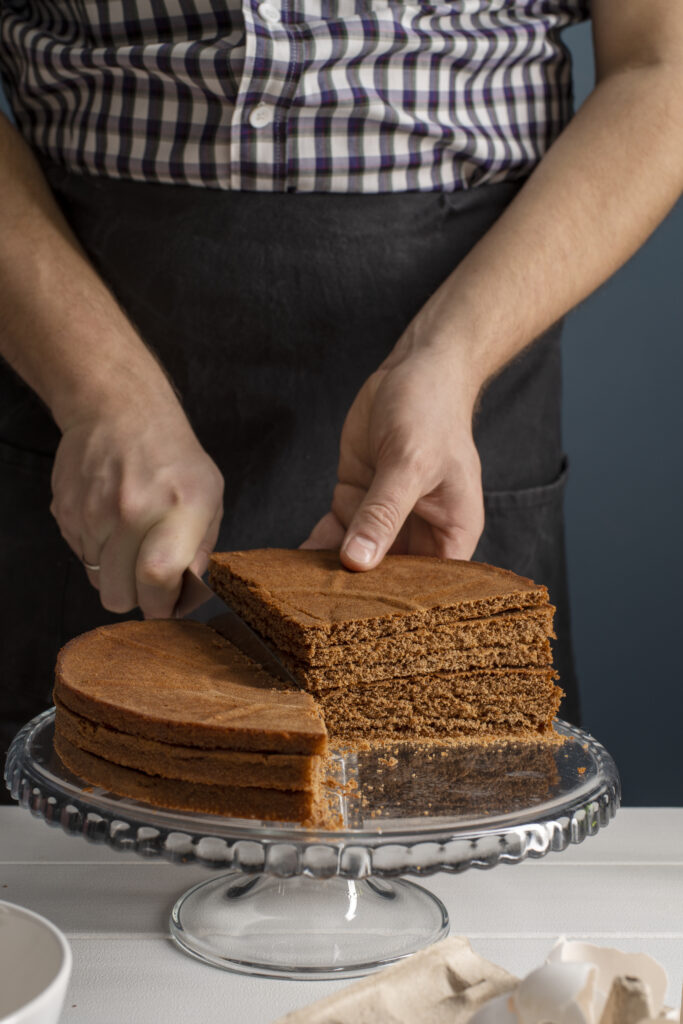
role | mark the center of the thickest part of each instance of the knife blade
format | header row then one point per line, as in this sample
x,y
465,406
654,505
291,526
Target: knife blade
x,y
229,624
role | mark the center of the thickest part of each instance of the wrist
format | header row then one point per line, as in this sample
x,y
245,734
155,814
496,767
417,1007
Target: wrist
x,y
471,323
128,383
450,352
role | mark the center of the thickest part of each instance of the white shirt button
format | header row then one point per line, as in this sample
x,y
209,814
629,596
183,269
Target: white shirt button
x,y
269,12
261,115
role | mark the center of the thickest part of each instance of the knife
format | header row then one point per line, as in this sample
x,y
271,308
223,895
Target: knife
x,y
194,592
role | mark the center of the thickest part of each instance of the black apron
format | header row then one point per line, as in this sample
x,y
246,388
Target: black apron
x,y
269,312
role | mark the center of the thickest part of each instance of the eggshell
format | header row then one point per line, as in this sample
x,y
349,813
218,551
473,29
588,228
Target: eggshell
x,y
496,1011
558,992
610,964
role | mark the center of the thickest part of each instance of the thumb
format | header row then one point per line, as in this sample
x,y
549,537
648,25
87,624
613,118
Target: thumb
x,y
391,497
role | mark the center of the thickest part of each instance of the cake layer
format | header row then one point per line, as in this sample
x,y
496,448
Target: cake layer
x,y
178,681
308,597
508,702
317,679
228,801
191,764
531,626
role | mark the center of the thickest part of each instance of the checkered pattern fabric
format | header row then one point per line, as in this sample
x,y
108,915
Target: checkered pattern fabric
x,y
291,95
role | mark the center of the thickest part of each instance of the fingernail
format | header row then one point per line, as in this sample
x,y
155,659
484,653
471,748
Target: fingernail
x,y
360,549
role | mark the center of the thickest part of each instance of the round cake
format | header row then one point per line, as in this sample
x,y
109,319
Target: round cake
x,y
168,712
420,648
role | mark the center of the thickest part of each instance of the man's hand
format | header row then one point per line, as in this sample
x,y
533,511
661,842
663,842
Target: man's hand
x,y
134,493
408,470
409,478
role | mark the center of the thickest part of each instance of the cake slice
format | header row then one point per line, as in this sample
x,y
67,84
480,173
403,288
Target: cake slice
x,y
418,647
189,764
169,712
489,704
530,627
180,681
320,678
227,801
302,600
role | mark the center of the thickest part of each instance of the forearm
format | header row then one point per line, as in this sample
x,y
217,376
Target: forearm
x,y
600,191
61,329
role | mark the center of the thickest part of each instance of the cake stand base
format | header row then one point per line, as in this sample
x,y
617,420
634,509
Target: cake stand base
x,y
305,928
310,903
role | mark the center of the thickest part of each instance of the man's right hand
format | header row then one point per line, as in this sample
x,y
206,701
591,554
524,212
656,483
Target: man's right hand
x,y
135,494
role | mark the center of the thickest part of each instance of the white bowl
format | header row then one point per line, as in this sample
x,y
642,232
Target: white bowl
x,y
35,964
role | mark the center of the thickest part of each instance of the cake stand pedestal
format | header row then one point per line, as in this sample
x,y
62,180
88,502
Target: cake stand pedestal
x,y
304,903
301,927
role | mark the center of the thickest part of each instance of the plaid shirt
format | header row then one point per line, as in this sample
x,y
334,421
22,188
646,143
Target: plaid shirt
x,y
291,95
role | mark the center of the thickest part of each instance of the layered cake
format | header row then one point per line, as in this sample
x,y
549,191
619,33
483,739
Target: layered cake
x,y
171,713
419,647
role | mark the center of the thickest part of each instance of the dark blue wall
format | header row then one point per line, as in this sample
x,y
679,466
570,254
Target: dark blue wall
x,y
624,429
623,357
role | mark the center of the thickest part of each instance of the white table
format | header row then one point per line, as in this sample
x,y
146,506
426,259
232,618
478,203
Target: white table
x,y
623,888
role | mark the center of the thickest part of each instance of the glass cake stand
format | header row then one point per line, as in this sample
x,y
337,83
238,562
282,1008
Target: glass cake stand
x,y
296,902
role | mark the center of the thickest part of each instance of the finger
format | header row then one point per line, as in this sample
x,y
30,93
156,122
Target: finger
x,y
395,489
73,536
83,513
168,548
93,577
326,535
117,586
200,561
84,525
91,561
449,521
86,549
194,592
420,537
458,541
347,500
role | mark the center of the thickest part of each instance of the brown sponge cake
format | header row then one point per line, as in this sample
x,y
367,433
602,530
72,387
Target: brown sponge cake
x,y
498,703
531,627
319,678
180,681
191,764
169,712
420,649
301,599
230,801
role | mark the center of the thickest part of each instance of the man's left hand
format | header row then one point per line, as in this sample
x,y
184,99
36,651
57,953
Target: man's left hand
x,y
409,477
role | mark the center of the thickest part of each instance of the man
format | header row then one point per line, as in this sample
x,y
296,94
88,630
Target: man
x,y
301,209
